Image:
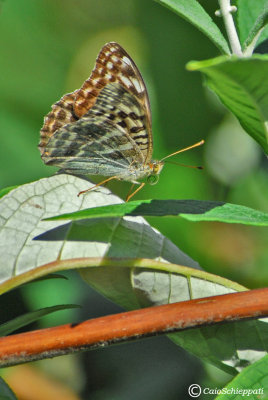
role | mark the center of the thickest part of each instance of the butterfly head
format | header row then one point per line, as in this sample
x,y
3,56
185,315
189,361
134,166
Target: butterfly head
x,y
155,169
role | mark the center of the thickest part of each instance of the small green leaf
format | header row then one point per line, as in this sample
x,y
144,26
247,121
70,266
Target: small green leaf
x,y
252,16
242,86
227,342
30,317
232,213
193,210
5,391
194,13
251,383
257,31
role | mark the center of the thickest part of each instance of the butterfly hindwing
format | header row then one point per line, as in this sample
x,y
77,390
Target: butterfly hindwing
x,y
60,115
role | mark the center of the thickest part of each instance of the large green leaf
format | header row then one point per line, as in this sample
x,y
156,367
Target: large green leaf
x,y
26,241
193,210
193,12
242,86
125,259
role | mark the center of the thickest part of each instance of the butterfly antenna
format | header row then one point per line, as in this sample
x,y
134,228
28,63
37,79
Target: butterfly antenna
x,y
185,149
184,165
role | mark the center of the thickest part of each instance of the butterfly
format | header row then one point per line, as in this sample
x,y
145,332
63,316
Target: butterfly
x,y
105,127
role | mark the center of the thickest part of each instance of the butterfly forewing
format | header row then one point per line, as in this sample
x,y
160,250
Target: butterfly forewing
x,y
104,127
115,65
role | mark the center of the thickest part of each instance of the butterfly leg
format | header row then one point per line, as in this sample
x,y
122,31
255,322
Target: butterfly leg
x,y
135,191
98,184
130,190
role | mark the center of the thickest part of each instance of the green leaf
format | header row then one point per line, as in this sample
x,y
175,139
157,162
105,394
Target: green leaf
x,y
232,213
227,342
28,318
251,17
251,383
242,86
27,242
194,13
256,32
5,391
192,210
117,256
135,283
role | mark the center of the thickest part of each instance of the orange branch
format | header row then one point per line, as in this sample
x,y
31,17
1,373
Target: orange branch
x,y
100,332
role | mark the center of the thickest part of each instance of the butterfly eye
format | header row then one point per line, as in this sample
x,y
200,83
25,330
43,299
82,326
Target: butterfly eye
x,y
153,179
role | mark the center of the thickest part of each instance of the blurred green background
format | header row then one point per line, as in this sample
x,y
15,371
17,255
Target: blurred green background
x,y
48,48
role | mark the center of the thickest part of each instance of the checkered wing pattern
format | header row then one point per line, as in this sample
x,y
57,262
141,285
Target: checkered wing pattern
x,y
104,127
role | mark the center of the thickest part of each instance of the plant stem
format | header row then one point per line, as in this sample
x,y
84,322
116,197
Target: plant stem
x,y
225,7
132,325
